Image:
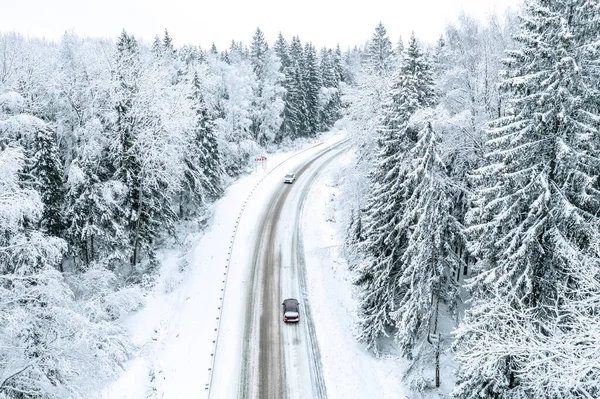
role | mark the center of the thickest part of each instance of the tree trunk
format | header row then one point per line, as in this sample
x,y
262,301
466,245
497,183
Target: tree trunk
x,y
92,247
137,223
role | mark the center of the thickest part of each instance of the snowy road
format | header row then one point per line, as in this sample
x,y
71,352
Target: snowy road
x,y
259,244
277,360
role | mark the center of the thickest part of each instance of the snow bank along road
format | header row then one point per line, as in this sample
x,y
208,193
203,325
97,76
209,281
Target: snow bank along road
x,y
273,360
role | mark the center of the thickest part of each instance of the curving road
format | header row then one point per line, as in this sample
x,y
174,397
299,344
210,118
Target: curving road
x,y
279,360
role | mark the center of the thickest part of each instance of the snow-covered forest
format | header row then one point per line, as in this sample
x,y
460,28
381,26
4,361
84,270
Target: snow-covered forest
x,y
472,225
107,146
474,228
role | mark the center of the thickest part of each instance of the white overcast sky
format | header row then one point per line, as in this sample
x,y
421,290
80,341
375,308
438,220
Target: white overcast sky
x,y
323,22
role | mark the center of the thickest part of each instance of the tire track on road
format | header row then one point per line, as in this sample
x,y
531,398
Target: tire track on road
x,y
316,367
264,331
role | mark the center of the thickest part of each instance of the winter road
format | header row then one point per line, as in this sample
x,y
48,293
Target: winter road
x,y
278,360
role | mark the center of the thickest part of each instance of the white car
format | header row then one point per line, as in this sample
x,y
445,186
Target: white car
x,y
289,178
291,310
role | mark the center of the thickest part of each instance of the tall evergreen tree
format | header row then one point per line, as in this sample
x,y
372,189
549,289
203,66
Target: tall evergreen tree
x,y
386,237
427,263
534,226
295,109
258,51
208,146
267,104
141,210
379,53
312,86
203,175
329,96
167,44
157,47
282,50
46,167
399,48
338,65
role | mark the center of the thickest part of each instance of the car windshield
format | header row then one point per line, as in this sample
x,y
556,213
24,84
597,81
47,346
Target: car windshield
x,y
290,175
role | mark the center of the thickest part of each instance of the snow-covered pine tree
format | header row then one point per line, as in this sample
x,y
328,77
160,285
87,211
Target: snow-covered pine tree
x,y
386,238
157,46
204,172
338,64
295,110
426,266
282,52
380,54
44,166
210,156
367,96
128,167
534,224
268,104
95,232
329,95
167,44
399,49
312,87
258,51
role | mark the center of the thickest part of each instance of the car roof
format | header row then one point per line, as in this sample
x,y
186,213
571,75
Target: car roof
x,y
290,302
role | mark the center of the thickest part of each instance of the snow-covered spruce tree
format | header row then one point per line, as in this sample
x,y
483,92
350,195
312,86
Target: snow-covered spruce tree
x,y
282,53
364,99
338,65
152,129
156,46
380,54
45,168
329,95
386,237
52,346
295,109
312,87
167,44
208,147
204,171
268,103
127,164
426,266
535,226
367,96
95,232
258,51
399,49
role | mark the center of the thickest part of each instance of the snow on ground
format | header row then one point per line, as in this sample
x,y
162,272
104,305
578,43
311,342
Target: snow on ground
x,y
176,330
350,371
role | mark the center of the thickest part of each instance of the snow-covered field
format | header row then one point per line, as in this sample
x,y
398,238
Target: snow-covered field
x,y
176,331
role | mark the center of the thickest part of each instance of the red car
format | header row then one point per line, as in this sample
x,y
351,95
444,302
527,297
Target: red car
x,y
291,310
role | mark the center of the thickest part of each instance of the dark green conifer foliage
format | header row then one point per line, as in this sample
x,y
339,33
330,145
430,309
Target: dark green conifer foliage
x,y
386,232
46,168
312,86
